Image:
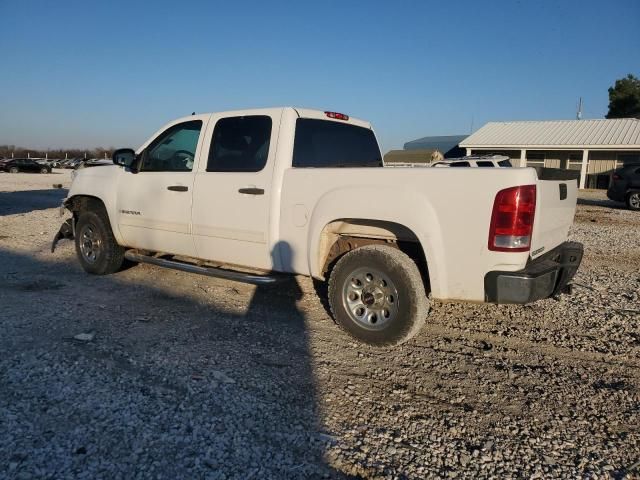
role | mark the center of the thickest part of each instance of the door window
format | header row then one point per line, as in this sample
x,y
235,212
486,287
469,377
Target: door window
x,y
240,144
174,150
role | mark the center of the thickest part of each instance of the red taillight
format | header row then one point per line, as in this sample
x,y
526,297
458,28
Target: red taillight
x,y
512,219
337,116
615,176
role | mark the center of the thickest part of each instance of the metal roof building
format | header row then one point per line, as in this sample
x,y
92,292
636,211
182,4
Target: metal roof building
x,y
409,156
595,147
446,144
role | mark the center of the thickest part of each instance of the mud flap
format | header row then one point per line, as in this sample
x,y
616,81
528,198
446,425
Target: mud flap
x,y
66,231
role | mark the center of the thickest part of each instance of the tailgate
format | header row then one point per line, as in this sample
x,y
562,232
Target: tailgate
x,y
557,193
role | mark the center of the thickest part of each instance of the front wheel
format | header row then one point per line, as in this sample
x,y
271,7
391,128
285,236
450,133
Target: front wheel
x,y
96,247
14,170
633,200
44,170
377,295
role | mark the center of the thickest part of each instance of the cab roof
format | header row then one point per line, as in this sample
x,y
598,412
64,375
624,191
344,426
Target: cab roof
x,y
301,112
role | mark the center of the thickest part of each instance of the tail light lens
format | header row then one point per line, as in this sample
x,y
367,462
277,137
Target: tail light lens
x,y
512,219
615,176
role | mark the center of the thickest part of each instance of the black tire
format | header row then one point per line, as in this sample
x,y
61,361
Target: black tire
x,y
93,227
14,170
633,200
44,170
386,320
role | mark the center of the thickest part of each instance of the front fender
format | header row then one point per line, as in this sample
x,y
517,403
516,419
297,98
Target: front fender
x,y
100,183
410,209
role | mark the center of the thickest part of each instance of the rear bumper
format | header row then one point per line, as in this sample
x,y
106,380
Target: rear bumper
x,y
544,277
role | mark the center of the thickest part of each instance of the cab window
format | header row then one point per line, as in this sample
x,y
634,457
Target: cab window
x,y
240,144
329,144
174,150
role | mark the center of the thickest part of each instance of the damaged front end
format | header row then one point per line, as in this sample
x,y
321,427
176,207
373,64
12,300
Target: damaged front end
x,y
67,229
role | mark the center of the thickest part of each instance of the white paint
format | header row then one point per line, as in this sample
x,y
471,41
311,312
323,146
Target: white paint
x,y
583,167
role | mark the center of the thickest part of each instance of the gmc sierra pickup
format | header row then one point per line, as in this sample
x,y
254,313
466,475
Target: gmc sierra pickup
x,y
247,195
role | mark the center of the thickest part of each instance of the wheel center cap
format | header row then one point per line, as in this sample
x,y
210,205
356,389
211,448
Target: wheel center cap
x,y
368,299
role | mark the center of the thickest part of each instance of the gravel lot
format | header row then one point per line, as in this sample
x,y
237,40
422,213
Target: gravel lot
x,y
190,377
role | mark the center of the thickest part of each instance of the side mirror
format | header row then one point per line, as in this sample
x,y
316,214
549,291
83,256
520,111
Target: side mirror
x,y
124,157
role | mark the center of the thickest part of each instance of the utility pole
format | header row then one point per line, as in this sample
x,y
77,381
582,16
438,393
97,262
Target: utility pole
x,y
579,112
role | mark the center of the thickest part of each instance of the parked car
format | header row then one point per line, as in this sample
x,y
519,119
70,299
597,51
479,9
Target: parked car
x,y
16,165
252,194
94,162
625,186
63,162
491,161
70,163
52,162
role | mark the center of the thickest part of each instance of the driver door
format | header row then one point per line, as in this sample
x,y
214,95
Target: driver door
x,y
154,204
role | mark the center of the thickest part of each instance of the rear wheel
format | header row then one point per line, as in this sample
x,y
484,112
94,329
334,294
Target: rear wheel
x,y
14,170
96,247
633,200
377,295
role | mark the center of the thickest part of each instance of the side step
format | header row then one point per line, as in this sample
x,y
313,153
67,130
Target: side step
x,y
208,271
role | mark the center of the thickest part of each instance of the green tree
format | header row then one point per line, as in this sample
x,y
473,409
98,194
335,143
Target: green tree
x,y
624,98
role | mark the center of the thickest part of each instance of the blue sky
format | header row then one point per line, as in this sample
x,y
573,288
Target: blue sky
x,y
86,74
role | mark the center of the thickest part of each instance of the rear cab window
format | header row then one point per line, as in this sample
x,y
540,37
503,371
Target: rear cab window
x,y
484,163
329,144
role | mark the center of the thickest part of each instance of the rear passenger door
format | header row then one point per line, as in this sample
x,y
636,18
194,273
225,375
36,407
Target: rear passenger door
x,y
233,189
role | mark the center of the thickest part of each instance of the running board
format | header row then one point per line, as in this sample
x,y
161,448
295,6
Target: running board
x,y
208,271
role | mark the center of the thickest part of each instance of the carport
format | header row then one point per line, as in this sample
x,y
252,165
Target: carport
x,y
594,147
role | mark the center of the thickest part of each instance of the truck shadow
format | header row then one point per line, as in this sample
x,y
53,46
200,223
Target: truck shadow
x,y
181,380
12,203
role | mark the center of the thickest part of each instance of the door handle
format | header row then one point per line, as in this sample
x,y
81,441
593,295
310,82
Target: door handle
x,y
178,188
252,190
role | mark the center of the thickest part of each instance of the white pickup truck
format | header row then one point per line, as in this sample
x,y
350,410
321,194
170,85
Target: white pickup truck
x,y
248,195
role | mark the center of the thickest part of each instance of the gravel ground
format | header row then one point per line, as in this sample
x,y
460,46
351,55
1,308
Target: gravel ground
x,y
181,376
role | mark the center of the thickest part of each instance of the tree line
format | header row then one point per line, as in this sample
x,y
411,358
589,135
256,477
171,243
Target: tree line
x,y
9,151
624,98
